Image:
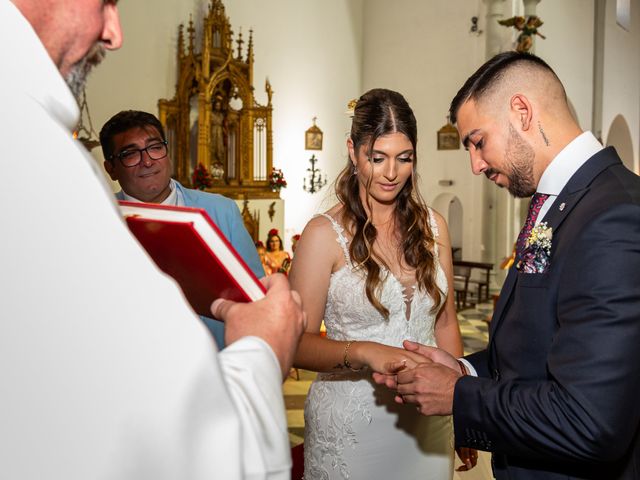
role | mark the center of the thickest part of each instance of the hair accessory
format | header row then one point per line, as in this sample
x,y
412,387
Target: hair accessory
x,y
296,237
273,232
351,106
259,244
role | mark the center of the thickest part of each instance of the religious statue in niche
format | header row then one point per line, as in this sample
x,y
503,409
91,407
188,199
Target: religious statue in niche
x,y
218,140
528,28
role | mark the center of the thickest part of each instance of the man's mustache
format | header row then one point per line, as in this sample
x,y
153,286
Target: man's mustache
x,y
490,171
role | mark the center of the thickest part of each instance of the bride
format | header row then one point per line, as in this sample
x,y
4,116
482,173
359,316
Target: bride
x,y
377,268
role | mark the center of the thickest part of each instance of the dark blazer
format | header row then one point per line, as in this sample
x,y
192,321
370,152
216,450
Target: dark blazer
x,y
559,390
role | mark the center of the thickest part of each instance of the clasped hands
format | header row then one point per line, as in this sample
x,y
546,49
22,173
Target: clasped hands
x,y
428,383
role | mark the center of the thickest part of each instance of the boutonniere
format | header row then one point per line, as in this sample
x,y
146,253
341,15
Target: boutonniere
x,y
537,251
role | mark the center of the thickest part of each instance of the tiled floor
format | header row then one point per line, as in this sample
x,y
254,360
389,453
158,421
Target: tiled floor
x,y
473,326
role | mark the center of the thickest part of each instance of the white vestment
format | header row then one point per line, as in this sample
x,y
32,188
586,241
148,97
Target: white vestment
x,y
105,371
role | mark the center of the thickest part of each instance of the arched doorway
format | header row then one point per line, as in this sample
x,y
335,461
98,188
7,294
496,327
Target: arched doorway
x,y
620,138
450,207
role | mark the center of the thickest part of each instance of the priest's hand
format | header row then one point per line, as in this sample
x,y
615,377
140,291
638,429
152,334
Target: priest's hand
x,y
278,319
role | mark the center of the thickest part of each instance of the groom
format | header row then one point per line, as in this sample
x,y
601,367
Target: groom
x,y
556,395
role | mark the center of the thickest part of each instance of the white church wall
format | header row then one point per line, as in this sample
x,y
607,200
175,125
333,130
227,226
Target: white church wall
x,y
425,51
320,54
310,51
569,49
621,79
620,137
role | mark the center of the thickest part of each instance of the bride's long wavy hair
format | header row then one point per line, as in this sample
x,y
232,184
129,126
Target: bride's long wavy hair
x,y
381,112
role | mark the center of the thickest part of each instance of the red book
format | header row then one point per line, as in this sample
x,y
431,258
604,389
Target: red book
x,y
187,245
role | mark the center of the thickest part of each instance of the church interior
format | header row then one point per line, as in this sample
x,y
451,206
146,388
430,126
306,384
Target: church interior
x,y
310,59
266,120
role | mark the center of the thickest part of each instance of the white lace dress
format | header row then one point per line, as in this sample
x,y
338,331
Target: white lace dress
x,y
353,427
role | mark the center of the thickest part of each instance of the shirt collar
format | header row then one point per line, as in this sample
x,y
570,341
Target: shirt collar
x,y
172,199
567,162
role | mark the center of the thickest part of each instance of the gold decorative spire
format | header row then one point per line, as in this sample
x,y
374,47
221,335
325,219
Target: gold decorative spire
x,y
192,35
239,41
250,48
180,41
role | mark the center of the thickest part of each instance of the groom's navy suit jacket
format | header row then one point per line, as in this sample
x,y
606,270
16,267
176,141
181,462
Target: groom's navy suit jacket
x,y
559,390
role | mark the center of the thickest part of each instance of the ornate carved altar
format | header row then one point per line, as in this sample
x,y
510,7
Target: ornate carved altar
x,y
214,119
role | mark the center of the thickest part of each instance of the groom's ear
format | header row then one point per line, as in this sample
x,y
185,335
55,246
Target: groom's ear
x,y
521,111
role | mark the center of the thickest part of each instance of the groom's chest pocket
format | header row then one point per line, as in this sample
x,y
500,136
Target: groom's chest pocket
x,y
529,325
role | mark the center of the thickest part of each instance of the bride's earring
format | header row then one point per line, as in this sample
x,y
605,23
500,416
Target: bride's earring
x,y
355,170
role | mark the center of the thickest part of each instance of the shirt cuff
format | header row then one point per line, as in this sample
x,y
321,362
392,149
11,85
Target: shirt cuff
x,y
472,371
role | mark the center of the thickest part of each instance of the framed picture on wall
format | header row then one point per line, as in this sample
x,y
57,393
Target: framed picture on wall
x,y
448,138
313,137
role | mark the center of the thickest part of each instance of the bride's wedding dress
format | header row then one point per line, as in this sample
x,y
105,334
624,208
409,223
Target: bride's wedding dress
x,y
353,427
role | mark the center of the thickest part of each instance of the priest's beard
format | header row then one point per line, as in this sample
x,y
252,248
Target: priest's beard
x,y
519,157
77,77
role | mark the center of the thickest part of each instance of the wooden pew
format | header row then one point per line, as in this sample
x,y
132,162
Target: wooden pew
x,y
478,287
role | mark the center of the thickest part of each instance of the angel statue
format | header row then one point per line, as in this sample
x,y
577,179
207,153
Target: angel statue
x,y
528,26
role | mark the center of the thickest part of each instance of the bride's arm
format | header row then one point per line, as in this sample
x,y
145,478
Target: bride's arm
x,y
317,255
447,329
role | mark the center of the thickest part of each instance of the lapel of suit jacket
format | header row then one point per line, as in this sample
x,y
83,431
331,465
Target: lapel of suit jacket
x,y
577,187
573,191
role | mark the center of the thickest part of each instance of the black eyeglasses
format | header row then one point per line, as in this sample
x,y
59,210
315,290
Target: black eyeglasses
x,y
133,156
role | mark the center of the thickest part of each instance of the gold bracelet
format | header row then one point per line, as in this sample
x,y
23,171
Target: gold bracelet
x,y
346,360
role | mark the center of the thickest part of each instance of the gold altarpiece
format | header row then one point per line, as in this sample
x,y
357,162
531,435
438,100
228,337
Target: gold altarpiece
x,y
214,118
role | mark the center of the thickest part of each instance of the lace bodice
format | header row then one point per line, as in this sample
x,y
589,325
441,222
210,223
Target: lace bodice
x,y
350,316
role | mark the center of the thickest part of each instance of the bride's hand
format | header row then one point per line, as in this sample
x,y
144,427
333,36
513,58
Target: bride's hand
x,y
383,358
434,354
469,458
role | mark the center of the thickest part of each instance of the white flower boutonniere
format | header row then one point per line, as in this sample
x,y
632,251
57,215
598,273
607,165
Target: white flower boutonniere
x,y
537,252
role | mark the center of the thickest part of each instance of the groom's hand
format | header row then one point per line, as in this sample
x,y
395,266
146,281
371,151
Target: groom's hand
x,y
430,386
432,353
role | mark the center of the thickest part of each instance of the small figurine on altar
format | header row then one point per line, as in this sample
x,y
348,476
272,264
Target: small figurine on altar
x,y
528,26
277,258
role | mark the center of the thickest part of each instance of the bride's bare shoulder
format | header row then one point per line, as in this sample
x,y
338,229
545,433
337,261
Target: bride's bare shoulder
x,y
323,221
321,227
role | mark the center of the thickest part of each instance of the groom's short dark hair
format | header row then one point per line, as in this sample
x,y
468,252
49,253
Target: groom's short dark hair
x,y
488,74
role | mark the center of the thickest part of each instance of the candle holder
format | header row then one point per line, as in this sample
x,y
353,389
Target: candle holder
x,y
316,180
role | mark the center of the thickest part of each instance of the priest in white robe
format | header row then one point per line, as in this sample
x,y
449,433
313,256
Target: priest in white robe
x,y
106,372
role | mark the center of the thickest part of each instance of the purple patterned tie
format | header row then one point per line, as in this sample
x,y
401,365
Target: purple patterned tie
x,y
537,201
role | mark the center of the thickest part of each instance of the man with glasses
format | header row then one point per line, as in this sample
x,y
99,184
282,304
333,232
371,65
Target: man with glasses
x,y
106,372
136,155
